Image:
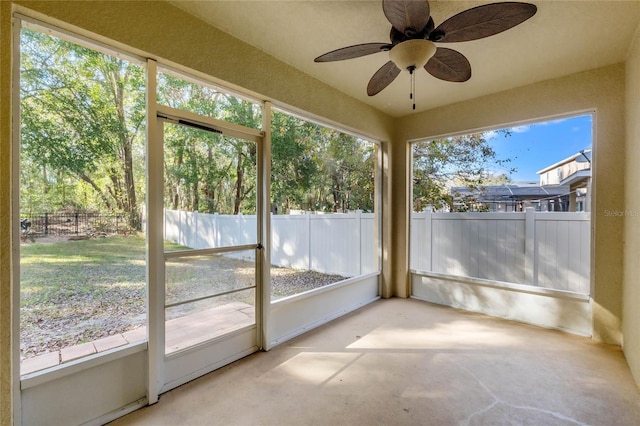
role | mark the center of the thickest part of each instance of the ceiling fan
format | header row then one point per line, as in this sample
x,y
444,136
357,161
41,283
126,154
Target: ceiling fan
x,y
414,34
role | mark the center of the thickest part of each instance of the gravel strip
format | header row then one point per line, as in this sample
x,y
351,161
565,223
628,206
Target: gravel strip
x,y
286,282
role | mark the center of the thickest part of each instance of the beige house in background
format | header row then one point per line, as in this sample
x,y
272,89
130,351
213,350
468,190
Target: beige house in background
x,y
574,172
563,186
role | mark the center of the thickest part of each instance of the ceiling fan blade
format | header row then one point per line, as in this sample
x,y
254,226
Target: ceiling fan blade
x,y
405,14
351,52
482,21
449,65
382,78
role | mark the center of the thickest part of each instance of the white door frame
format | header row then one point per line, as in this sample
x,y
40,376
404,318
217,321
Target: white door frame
x,y
168,372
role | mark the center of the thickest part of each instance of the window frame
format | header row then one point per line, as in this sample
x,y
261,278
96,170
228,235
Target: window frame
x,y
28,380
536,120
378,191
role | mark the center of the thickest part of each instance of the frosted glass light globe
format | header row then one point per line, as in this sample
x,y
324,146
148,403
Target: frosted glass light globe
x,y
412,54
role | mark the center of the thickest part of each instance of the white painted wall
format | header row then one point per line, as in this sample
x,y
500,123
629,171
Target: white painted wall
x,y
294,315
542,307
93,392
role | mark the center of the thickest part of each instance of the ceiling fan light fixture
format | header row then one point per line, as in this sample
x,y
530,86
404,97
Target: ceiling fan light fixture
x,y
412,54
413,32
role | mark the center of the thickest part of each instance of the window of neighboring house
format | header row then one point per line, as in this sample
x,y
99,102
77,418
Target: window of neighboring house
x,y
485,175
323,203
82,195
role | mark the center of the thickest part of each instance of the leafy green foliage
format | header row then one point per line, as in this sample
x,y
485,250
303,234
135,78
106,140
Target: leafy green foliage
x,y
205,171
83,143
319,169
458,161
82,114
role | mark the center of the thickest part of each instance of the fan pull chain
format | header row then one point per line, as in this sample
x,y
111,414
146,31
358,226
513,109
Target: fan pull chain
x,y
413,89
413,86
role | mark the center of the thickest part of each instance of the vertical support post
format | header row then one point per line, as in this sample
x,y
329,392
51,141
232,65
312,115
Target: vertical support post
x,y
155,248
530,268
46,224
573,199
194,234
308,215
384,224
216,230
263,310
181,239
358,219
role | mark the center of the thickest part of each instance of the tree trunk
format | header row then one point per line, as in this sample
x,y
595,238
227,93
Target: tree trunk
x,y
209,187
96,188
127,198
239,184
335,191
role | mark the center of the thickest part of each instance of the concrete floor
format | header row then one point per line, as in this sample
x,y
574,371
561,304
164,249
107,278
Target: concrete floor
x,y
398,362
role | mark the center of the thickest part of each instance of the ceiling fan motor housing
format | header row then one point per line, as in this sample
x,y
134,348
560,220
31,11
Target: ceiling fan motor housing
x,y
412,54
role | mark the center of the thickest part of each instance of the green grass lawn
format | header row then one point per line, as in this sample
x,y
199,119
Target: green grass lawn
x,y
77,291
73,292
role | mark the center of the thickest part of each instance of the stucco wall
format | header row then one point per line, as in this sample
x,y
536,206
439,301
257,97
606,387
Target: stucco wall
x,y
5,223
631,283
601,90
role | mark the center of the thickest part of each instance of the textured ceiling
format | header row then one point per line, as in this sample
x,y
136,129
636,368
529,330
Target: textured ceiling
x,y
564,37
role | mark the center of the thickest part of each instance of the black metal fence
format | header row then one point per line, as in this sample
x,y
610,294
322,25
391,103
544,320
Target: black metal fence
x,y
72,224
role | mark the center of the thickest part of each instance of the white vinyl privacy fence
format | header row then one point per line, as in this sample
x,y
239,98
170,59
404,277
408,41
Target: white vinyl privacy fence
x,y
543,249
344,244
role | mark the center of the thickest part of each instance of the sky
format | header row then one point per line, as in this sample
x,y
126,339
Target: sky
x,y
533,147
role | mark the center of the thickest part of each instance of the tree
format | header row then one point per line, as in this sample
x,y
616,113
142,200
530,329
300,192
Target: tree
x,y
293,166
82,114
440,164
82,118
350,164
205,171
319,168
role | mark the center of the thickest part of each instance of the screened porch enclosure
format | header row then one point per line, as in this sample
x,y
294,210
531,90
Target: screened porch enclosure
x,y
198,255
209,267
469,251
